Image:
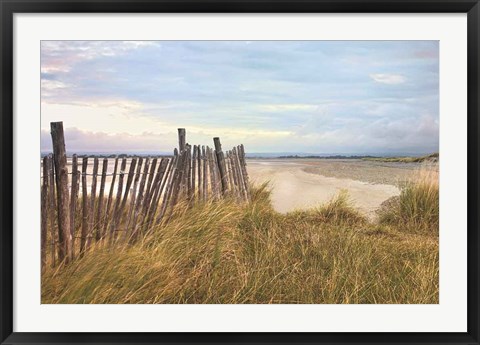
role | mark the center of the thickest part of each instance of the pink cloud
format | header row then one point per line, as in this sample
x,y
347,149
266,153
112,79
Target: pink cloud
x,y
83,141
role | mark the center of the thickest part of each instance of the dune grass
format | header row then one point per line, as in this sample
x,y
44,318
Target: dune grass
x,y
416,210
428,158
223,252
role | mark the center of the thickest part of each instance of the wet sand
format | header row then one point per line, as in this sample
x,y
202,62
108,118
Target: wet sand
x,y
307,183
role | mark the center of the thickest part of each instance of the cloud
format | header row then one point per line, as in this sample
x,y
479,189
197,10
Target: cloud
x,y
286,107
293,96
78,140
61,56
85,141
391,79
53,84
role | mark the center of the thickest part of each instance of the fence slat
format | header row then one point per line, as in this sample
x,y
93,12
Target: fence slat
x,y
85,204
52,209
44,215
243,165
199,173
99,234
93,197
194,171
211,168
236,178
234,173
151,176
240,178
139,202
118,199
74,200
221,165
130,176
158,182
110,199
205,174
61,179
147,198
189,173
180,168
133,197
163,186
231,186
169,187
150,205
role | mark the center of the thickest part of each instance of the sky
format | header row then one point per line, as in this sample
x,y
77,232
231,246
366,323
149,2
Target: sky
x,y
336,97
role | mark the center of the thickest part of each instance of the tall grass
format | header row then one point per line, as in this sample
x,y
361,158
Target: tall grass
x,y
223,252
417,208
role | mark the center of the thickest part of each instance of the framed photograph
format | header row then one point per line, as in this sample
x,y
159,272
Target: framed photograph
x,y
239,172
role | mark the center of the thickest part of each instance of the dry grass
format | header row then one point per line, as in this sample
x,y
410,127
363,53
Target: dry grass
x,y
223,252
417,208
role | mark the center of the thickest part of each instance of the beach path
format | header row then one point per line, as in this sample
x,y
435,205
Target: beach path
x,y
295,188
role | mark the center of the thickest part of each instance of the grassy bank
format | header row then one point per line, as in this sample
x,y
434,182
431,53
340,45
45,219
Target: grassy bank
x,y
223,252
429,158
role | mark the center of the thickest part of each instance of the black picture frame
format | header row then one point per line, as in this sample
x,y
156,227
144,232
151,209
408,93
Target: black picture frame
x,y
9,8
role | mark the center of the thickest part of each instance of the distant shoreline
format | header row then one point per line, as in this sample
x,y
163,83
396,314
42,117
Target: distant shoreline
x,y
434,157
313,157
393,158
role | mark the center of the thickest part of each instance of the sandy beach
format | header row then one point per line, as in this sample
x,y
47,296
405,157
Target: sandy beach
x,y
306,183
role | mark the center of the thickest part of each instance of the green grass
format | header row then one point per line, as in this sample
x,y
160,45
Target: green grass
x,y
223,252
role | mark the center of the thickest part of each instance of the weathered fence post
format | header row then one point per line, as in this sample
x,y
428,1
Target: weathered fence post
x,y
178,178
61,175
218,181
221,164
181,139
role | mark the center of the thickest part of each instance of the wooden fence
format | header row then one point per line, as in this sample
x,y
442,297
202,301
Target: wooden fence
x,y
121,198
